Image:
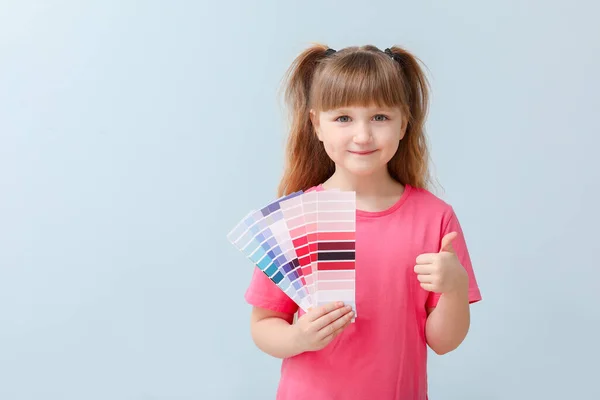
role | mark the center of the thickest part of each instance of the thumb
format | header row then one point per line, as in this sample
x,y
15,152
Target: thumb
x,y
447,242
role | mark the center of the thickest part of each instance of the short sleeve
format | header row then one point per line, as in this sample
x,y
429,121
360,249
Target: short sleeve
x,y
460,246
264,293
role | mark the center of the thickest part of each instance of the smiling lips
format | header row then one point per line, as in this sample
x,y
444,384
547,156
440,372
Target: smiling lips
x,y
362,152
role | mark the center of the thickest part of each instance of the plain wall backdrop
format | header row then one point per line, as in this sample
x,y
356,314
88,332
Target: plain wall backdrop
x,y
134,135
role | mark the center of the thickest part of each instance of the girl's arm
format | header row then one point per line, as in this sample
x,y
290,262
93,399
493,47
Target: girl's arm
x,y
272,332
448,323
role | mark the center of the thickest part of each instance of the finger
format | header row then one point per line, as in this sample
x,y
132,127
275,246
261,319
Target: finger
x,y
336,327
319,312
331,317
426,258
335,334
429,287
425,278
447,242
424,269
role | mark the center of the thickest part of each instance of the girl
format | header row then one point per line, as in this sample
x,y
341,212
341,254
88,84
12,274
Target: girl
x,y
358,119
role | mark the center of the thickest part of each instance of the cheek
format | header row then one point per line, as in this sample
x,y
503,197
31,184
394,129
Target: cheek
x,y
391,143
334,144
333,149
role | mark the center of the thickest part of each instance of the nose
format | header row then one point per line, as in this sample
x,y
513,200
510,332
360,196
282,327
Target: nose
x,y
363,133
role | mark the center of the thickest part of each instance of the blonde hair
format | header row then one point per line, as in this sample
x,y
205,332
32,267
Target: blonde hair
x,y
322,79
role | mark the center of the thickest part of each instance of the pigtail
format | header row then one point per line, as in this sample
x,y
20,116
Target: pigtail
x,y
306,163
410,164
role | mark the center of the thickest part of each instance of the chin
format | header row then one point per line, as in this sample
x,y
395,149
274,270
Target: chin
x,y
363,171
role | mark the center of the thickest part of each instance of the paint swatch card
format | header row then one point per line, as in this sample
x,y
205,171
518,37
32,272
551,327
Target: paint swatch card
x,y
336,227
293,213
309,203
305,244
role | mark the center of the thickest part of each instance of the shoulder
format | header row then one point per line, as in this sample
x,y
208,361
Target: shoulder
x,y
428,203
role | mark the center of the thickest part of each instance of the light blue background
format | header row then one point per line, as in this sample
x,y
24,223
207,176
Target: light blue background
x,y
131,136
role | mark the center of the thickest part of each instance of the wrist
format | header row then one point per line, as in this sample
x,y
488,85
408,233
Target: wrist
x,y
461,289
295,340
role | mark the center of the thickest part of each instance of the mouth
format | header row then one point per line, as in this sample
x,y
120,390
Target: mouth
x,y
362,152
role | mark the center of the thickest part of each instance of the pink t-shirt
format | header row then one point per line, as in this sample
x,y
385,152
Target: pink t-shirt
x,y
383,354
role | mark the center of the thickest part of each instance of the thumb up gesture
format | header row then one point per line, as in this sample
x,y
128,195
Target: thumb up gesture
x,y
442,272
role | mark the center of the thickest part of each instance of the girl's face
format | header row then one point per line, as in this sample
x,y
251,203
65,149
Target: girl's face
x,y
360,140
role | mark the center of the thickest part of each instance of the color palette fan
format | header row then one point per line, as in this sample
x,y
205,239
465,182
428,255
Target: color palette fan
x,y
305,243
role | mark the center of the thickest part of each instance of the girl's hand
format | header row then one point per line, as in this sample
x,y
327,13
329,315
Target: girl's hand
x,y
442,272
319,326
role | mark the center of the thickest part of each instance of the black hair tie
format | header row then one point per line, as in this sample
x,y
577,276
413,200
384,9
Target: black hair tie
x,y
393,56
329,52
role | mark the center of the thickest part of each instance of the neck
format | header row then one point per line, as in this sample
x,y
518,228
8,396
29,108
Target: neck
x,y
373,185
375,192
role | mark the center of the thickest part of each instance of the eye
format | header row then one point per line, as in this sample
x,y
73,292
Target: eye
x,y
384,117
341,119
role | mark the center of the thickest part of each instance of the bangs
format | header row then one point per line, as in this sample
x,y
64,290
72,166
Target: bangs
x,y
361,79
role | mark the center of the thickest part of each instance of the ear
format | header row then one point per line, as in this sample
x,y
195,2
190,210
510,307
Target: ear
x,y
314,119
403,127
